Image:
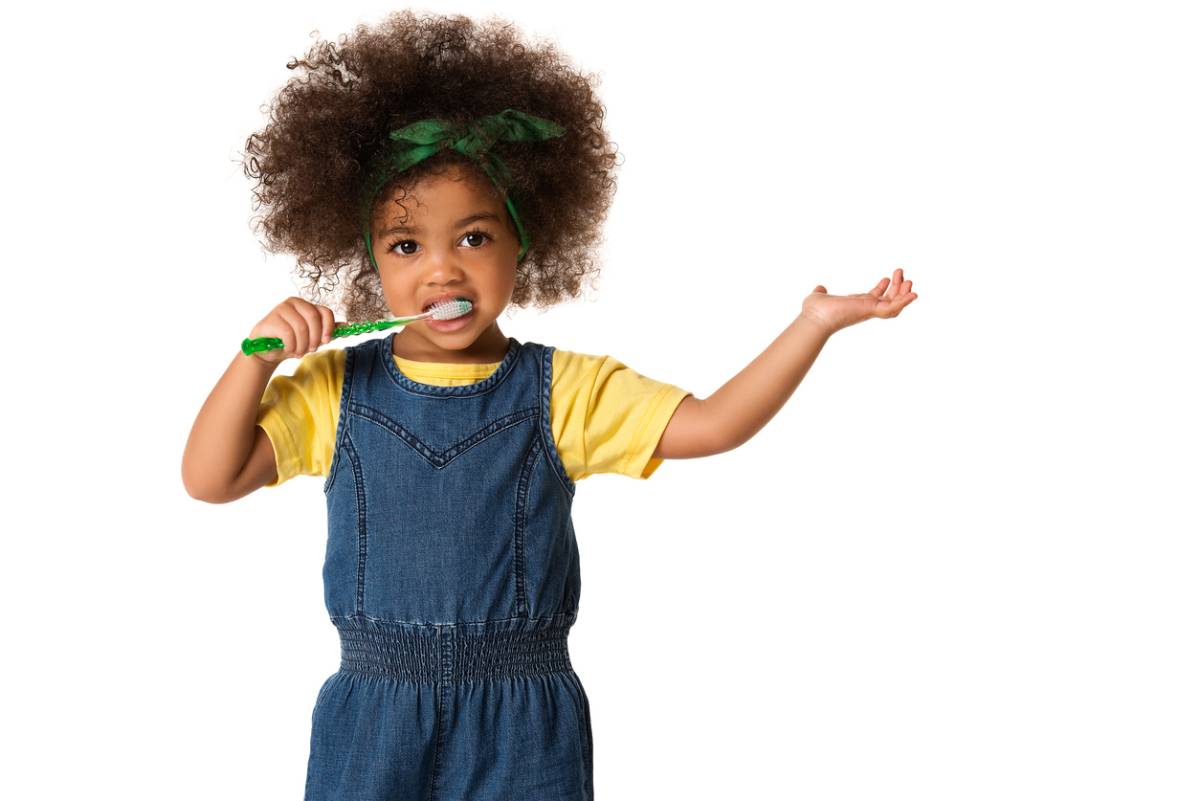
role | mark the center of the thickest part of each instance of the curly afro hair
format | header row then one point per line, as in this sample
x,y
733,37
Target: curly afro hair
x,y
330,124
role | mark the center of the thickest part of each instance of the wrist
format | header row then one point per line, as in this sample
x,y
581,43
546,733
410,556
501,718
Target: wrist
x,y
814,325
253,363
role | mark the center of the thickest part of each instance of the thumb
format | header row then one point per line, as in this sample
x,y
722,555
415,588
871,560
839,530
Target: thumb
x,y
821,289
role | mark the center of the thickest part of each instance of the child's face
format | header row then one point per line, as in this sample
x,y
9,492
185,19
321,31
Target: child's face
x,y
439,255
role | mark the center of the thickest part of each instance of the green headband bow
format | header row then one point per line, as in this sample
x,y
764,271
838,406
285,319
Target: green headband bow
x,y
420,140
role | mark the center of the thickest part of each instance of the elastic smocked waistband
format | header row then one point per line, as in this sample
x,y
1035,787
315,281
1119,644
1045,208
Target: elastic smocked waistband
x,y
450,653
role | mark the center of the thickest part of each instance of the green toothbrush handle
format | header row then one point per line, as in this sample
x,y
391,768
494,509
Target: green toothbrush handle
x,y
252,346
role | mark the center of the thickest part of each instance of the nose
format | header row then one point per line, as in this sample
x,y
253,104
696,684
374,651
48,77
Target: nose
x,y
442,268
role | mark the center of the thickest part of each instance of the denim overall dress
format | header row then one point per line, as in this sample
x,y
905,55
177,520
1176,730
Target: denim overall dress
x,y
452,576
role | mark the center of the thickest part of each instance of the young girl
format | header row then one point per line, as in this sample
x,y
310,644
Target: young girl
x,y
432,159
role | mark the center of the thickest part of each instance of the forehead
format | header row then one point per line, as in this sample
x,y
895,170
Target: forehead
x,y
451,193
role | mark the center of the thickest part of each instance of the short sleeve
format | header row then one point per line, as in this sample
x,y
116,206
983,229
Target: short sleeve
x,y
606,417
299,415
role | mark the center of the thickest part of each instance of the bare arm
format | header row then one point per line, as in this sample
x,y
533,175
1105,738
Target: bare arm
x,y
744,404
227,455
225,439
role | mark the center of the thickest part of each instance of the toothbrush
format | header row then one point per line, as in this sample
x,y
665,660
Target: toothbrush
x,y
447,310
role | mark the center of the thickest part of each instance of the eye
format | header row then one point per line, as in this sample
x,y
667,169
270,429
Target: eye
x,y
475,232
479,233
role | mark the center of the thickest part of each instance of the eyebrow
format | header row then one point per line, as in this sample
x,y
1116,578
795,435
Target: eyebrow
x,y
405,229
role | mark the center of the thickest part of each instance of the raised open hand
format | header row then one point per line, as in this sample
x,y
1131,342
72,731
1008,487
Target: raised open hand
x,y
835,312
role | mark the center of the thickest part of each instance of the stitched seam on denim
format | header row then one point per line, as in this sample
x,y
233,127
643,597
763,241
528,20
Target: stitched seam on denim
x,y
558,618
310,773
444,682
438,459
551,449
361,508
446,646
507,366
519,527
497,654
577,703
339,431
437,747
451,654
587,722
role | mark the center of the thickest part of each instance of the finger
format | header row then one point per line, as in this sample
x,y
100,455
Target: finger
x,y
897,281
312,319
902,301
285,333
294,343
820,288
299,334
326,323
311,315
878,290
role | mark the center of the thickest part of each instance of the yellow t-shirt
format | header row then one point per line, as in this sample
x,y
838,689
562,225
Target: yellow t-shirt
x,y
605,417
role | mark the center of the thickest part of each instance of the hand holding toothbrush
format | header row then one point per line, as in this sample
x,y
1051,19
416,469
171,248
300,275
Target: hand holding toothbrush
x,y
296,327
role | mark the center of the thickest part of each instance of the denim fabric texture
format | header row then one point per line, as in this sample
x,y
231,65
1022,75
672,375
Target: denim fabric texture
x,y
452,576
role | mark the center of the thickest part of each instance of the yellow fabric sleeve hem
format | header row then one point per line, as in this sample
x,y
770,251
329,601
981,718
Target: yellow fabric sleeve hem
x,y
299,413
287,459
641,448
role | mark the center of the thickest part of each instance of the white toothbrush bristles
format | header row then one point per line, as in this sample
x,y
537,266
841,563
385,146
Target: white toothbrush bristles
x,y
448,310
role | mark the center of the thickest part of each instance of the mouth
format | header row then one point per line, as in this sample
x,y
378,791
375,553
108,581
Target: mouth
x,y
456,324
429,302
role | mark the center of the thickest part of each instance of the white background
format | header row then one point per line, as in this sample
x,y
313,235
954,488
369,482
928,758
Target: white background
x,y
961,563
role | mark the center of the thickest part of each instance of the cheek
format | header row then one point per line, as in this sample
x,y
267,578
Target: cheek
x,y
506,285
501,282
397,292
395,284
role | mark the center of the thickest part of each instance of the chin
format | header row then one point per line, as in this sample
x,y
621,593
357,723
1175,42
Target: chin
x,y
455,340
